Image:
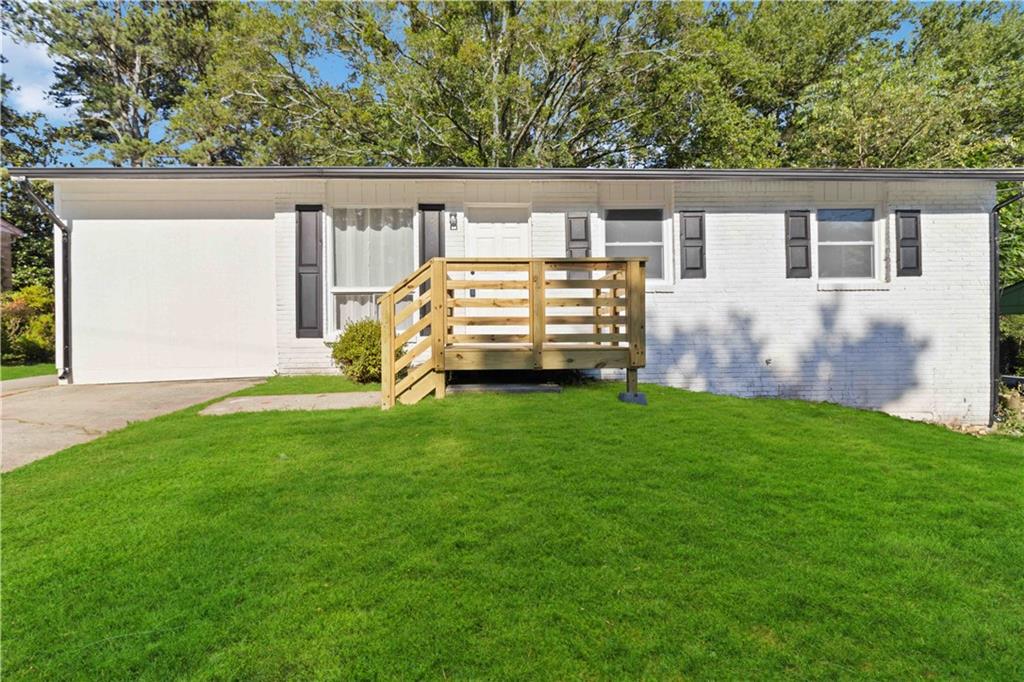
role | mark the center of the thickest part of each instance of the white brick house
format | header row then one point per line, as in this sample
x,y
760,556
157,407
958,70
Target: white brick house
x,y
787,283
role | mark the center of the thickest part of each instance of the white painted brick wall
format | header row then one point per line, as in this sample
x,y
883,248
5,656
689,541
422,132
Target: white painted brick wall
x,y
295,355
916,347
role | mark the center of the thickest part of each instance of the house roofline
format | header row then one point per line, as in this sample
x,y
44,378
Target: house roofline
x,y
450,173
10,229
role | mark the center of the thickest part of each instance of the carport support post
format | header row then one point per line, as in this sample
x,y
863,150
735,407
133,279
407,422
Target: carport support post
x,y
65,275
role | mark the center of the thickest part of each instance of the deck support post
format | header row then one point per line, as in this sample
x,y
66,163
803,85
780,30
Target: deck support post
x,y
538,329
631,394
438,323
387,351
636,328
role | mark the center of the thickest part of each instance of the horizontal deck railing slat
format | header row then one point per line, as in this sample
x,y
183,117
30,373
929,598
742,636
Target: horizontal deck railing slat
x,y
524,302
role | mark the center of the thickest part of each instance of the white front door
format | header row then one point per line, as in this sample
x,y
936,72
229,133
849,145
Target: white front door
x,y
498,231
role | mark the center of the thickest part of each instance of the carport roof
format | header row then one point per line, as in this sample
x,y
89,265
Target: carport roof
x,y
450,173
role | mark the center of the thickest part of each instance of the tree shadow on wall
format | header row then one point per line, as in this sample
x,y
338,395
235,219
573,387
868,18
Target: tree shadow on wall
x,y
873,368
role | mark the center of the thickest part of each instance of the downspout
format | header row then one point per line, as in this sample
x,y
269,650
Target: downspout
x,y
65,271
994,278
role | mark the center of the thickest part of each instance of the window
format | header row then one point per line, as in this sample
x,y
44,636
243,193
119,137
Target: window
x,y
637,232
373,249
846,243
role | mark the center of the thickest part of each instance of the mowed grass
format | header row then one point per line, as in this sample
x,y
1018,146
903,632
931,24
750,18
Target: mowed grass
x,y
549,536
314,383
8,372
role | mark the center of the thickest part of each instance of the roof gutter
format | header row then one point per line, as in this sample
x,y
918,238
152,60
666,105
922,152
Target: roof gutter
x,y
994,301
65,271
473,173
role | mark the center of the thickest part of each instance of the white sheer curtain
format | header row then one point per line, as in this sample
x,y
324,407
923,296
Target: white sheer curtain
x,y
373,247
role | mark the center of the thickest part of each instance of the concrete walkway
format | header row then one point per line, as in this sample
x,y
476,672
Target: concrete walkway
x,y
39,421
307,401
12,386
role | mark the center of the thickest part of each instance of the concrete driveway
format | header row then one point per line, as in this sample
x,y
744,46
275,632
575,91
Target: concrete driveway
x,y
40,419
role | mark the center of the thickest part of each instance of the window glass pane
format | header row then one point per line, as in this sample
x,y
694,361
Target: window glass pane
x,y
373,247
845,224
845,232
856,215
846,261
354,307
653,253
633,225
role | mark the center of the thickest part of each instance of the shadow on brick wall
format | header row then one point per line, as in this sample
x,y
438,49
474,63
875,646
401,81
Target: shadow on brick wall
x,y
873,368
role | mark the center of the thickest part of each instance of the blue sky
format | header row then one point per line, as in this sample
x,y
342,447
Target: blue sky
x,y
31,69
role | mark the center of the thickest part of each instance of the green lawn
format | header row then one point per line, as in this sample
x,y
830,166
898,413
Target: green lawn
x,y
553,536
317,383
8,372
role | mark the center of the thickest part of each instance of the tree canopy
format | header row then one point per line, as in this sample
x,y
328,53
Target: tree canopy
x,y
524,83
527,83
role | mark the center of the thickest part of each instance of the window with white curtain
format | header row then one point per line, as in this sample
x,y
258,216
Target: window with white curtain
x,y
846,243
637,232
373,247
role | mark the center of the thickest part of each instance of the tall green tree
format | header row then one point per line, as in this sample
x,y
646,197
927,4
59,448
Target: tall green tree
x,y
484,83
120,66
263,101
733,83
27,140
503,83
946,96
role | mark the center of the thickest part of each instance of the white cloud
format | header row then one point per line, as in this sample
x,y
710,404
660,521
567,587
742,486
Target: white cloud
x,y
31,69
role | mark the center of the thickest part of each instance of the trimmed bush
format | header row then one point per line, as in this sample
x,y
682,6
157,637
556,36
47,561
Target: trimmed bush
x,y
357,351
26,325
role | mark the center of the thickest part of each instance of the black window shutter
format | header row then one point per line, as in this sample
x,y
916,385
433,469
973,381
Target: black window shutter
x,y
309,272
908,240
577,239
691,227
798,244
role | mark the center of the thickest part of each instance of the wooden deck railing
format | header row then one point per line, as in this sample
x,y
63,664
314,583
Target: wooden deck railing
x,y
456,314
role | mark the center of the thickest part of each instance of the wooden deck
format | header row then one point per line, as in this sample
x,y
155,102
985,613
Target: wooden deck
x,y
457,314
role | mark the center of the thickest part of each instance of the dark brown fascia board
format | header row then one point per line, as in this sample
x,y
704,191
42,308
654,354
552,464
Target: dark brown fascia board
x,y
412,173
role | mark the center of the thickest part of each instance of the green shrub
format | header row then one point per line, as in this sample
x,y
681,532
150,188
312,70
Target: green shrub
x,y
26,325
1010,411
1011,347
357,351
